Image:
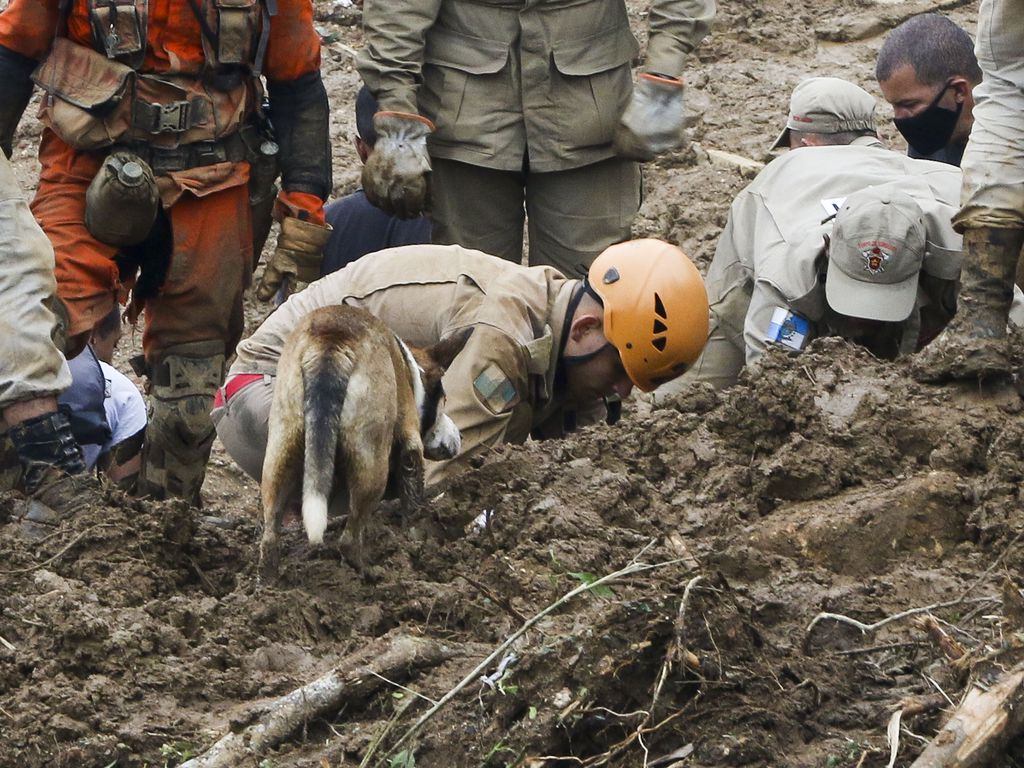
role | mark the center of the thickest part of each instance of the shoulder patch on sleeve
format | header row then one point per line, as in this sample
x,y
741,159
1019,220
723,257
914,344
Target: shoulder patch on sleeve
x,y
495,389
788,329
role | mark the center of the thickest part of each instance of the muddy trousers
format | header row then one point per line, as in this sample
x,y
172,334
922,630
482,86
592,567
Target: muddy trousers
x,y
180,433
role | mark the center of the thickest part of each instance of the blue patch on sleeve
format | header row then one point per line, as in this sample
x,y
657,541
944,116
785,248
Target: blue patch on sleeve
x,y
789,329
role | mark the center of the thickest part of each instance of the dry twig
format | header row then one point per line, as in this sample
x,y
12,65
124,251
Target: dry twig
x,y
633,567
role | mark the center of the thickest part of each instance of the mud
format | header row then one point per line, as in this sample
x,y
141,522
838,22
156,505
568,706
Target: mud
x,y
137,634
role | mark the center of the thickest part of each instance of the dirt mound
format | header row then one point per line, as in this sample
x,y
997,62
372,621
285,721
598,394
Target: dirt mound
x,y
136,633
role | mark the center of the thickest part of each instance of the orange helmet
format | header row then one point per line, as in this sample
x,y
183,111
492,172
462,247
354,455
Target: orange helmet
x,y
655,308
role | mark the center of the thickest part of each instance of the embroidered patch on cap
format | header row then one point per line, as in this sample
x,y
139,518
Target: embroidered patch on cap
x,y
788,329
495,389
875,254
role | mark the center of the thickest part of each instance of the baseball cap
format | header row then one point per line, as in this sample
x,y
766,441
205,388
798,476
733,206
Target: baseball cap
x,y
875,255
828,105
366,108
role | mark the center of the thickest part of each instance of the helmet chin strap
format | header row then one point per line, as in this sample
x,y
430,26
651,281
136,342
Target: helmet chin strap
x,y
570,312
580,359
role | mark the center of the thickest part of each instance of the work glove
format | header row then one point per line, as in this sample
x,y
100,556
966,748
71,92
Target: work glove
x,y
297,257
396,176
653,122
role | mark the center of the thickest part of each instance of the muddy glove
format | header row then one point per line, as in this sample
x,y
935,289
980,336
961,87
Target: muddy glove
x,y
396,177
299,251
653,122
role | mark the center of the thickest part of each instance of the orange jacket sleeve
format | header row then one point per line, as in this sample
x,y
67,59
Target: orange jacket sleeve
x,y
28,26
293,49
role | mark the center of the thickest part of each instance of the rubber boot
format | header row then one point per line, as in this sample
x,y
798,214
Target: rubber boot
x,y
180,432
53,471
973,345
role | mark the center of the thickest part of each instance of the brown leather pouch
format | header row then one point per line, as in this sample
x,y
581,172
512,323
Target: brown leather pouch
x,y
88,101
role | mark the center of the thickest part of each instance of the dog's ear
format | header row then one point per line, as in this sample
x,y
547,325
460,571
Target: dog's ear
x,y
445,350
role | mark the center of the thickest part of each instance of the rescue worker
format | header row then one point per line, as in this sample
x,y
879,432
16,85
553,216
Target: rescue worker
x,y
927,70
545,350
155,155
32,370
991,218
773,250
508,112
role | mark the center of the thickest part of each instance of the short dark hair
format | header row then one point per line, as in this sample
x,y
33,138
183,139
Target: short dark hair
x,y
366,108
839,138
110,322
934,46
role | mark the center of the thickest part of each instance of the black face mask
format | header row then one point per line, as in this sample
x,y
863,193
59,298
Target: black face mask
x,y
930,129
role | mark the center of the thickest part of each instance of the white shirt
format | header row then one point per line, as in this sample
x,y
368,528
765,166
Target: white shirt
x,y
126,412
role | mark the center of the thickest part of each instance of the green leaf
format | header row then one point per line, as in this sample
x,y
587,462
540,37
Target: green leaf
x,y
403,759
532,713
600,590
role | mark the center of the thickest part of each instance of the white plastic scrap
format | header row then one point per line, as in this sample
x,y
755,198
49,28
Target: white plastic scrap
x,y
492,679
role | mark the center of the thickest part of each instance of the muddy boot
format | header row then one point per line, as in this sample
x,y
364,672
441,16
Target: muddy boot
x,y
973,345
180,432
53,471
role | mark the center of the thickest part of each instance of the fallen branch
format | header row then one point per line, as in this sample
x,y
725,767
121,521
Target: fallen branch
x,y
633,567
980,727
950,648
357,676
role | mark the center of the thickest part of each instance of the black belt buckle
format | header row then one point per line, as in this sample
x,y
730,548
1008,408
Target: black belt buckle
x,y
165,161
209,153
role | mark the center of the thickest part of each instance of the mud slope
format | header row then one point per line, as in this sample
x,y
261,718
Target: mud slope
x,y
137,634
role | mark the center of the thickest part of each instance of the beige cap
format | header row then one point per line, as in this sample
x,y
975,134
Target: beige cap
x,y
875,255
828,105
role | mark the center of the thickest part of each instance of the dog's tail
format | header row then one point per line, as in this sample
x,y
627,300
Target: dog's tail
x,y
325,383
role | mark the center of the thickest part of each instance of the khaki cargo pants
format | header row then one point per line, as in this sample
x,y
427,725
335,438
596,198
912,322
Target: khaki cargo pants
x,y
571,216
993,163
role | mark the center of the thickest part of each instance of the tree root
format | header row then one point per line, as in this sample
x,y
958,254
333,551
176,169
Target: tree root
x,y
394,655
980,727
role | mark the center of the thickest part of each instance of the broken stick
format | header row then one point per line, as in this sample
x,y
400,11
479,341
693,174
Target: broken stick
x,y
980,727
393,655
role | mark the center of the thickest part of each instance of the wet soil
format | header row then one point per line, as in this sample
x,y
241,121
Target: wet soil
x,y
137,633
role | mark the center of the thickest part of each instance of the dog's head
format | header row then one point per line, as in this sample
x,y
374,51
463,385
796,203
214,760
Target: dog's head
x,y
441,438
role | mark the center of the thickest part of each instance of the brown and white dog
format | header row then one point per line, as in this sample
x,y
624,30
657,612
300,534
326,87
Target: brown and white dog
x,y
355,411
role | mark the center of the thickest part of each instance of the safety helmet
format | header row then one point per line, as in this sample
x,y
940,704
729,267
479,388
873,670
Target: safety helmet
x,y
655,308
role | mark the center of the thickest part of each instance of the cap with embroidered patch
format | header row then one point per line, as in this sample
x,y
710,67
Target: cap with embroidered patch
x,y
875,255
828,105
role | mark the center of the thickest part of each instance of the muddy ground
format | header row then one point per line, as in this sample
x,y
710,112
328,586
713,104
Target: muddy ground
x,y
136,635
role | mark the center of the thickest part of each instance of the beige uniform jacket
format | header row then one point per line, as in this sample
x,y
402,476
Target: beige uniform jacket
x,y
766,257
504,80
501,387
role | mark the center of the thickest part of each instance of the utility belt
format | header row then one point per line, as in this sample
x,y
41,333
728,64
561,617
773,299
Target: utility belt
x,y
241,145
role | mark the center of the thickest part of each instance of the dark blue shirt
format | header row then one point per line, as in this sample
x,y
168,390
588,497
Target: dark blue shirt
x,y
361,228
951,154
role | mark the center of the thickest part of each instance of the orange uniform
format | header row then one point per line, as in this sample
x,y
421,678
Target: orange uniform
x,y
175,85
200,298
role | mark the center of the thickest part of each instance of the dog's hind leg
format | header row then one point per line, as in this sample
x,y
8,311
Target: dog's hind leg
x,y
282,469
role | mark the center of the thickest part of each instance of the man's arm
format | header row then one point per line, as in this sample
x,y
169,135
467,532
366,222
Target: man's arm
x,y
27,28
772,321
677,27
391,62
487,396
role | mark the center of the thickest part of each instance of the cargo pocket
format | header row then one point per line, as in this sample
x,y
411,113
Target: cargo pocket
x,y
591,84
88,101
466,87
238,24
